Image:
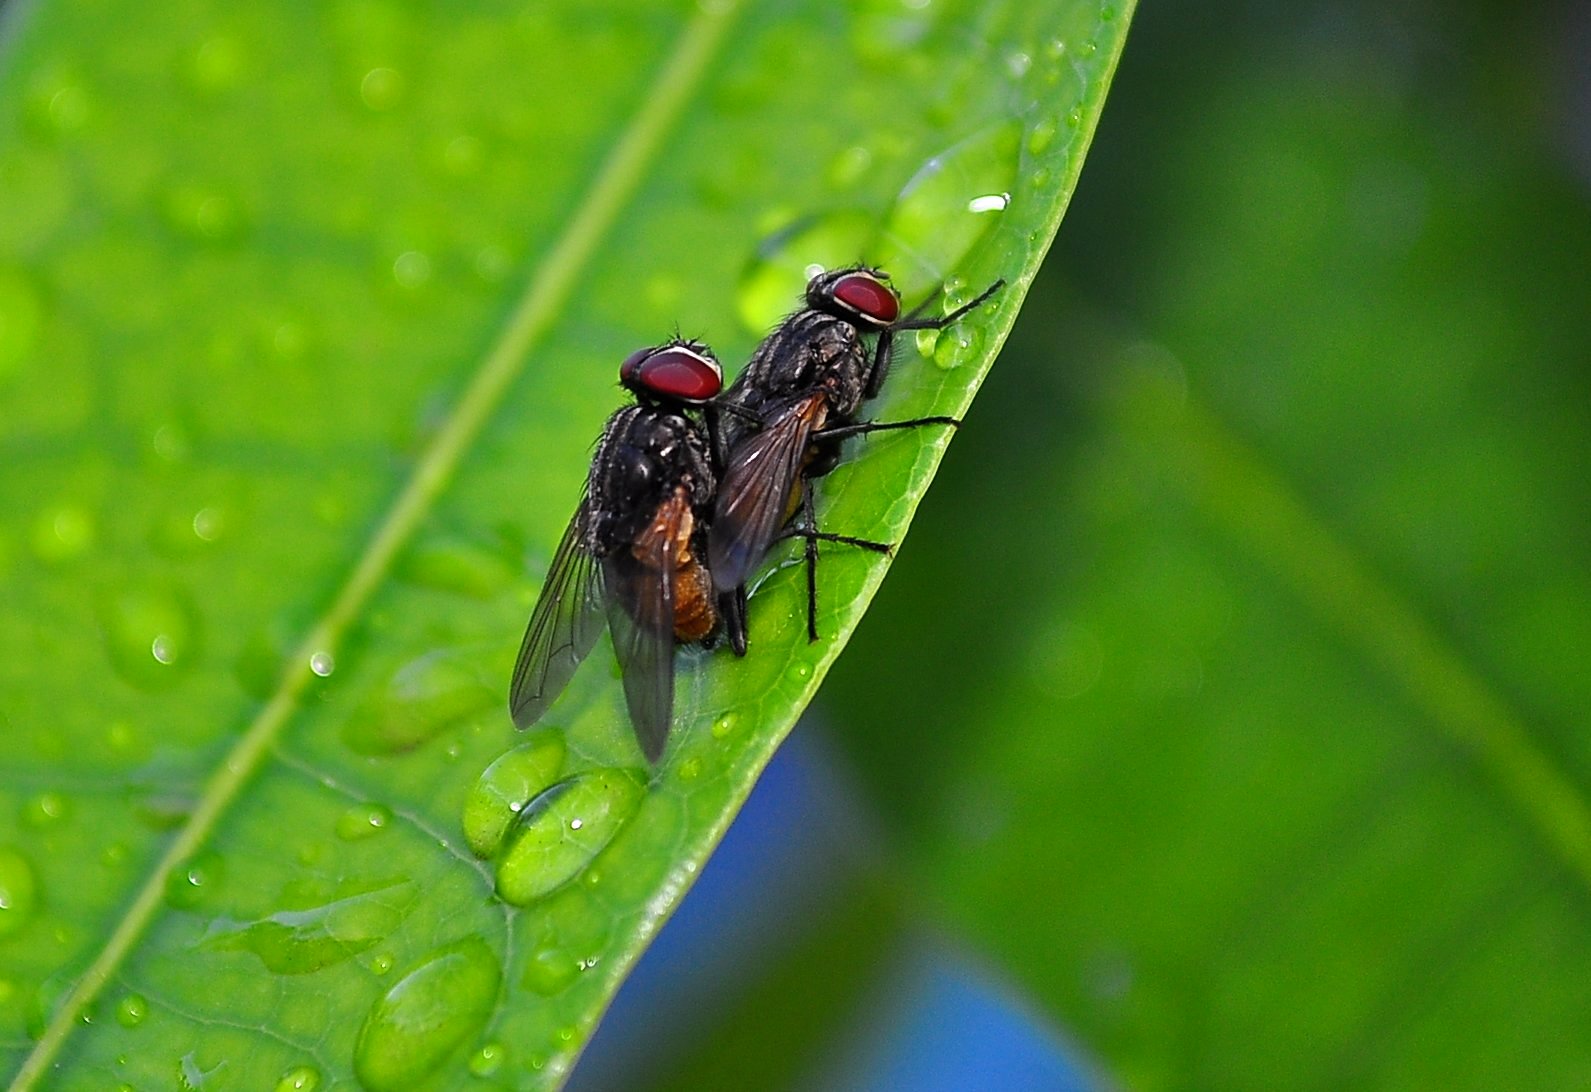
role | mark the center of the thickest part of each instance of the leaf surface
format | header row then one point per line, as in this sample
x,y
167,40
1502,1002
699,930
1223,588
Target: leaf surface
x,y
308,318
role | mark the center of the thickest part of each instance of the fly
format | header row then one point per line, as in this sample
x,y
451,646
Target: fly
x,y
785,417
632,556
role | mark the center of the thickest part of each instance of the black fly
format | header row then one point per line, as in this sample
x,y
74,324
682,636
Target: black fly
x,y
634,551
786,416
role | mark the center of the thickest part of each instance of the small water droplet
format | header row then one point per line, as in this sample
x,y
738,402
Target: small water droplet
x,y
217,65
303,1078
1040,179
203,213
488,1059
545,850
209,523
690,769
58,107
188,885
777,275
1074,117
131,1010
850,166
725,725
322,663
1017,64
45,809
426,1015
382,88
19,891
363,820
21,318
886,32
380,963
1040,135
150,634
948,206
114,854
424,698
299,941
62,533
412,270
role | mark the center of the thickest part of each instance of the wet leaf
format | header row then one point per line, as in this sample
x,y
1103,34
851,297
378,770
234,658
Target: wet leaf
x,y
308,319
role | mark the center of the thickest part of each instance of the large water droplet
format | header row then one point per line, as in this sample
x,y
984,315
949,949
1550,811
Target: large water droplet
x,y
776,278
151,635
19,891
562,830
427,1015
21,316
550,969
460,567
947,207
424,698
301,1078
507,785
301,941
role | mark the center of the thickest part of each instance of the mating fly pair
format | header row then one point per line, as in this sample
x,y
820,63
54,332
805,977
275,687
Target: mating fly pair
x,y
691,474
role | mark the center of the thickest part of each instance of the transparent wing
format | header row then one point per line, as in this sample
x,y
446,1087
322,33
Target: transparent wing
x,y
754,493
641,619
563,627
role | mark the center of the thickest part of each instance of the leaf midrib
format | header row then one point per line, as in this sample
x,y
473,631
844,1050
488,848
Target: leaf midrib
x,y
537,307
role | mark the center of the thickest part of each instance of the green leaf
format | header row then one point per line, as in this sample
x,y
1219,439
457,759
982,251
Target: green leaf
x,y
1263,760
308,318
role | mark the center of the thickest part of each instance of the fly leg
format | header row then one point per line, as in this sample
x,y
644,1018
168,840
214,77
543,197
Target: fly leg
x,y
806,528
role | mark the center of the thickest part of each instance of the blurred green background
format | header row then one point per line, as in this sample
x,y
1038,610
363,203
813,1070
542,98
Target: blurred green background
x,y
1230,692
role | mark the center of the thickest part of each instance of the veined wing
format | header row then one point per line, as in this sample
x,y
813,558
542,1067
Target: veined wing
x,y
563,627
755,489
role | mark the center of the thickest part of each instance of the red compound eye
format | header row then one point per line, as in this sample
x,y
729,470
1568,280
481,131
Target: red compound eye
x,y
867,296
676,372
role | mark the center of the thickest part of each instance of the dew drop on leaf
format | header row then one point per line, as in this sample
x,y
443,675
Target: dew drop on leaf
x,y
189,884
62,532
382,88
45,809
131,1010
424,698
427,1015
301,1078
151,635
363,820
950,203
300,941
562,831
506,786
549,970
776,277
488,1059
19,891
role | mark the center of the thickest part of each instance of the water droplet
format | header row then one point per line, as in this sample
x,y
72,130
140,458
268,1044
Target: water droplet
x,y
1040,135
412,269
187,885
301,1078
19,891
463,156
725,725
545,851
549,970
1017,63
131,1010
424,698
947,207
488,1059
435,1008
21,317
150,634
62,533
850,166
957,345
45,809
460,567
203,213
209,523
304,940
506,786
382,88
690,769
380,963
216,66
800,671
777,275
322,663
1055,48
362,820
884,32
58,107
